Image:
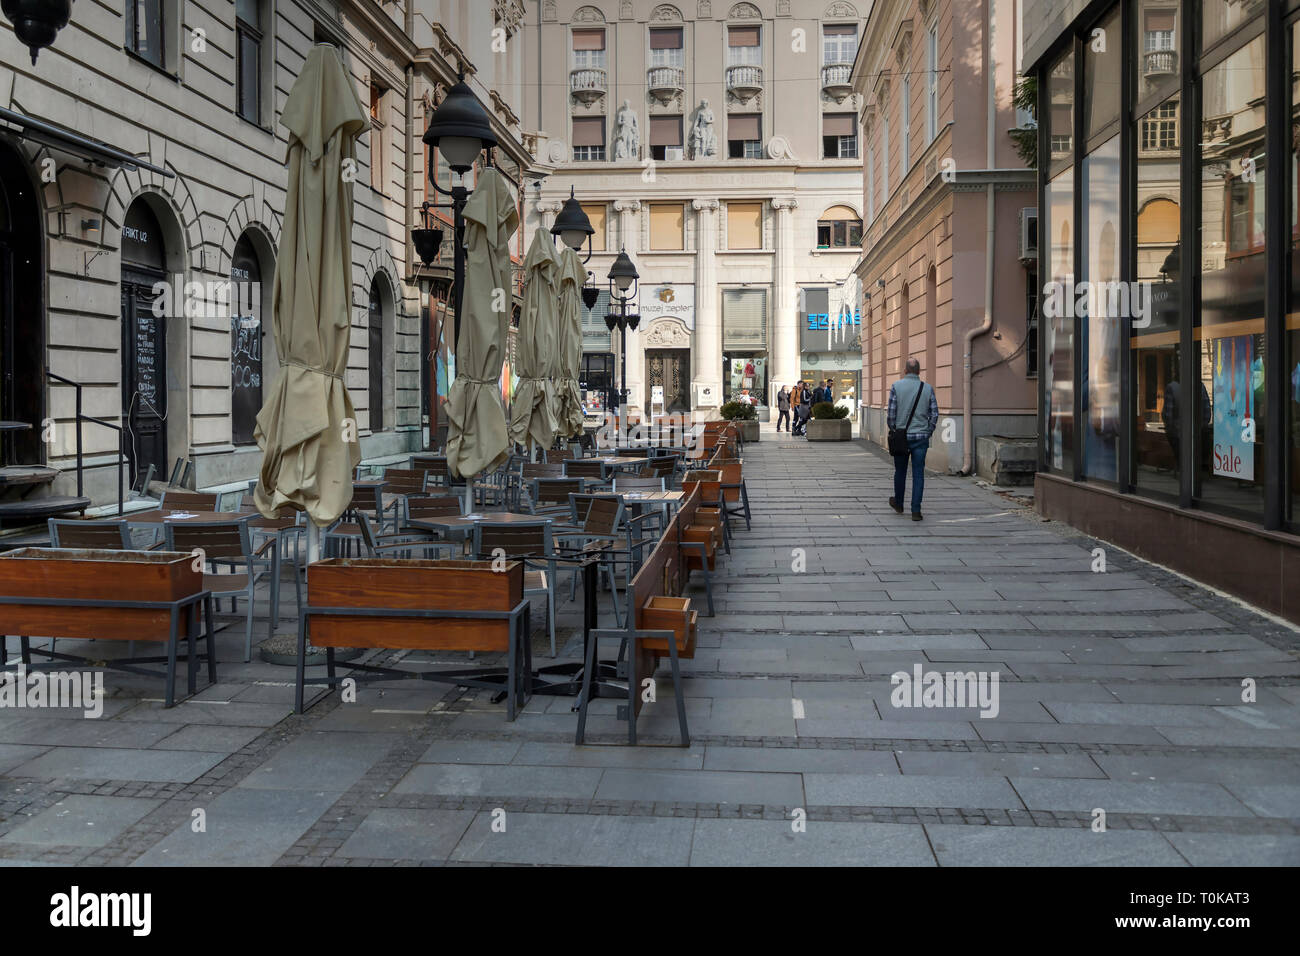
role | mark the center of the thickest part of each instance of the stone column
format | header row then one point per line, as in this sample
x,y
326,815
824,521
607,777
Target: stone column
x,y
706,357
629,238
786,363
548,209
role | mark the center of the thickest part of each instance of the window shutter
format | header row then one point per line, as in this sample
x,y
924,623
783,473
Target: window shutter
x,y
744,318
666,39
666,220
665,131
838,124
589,39
588,131
744,225
839,30
742,36
743,127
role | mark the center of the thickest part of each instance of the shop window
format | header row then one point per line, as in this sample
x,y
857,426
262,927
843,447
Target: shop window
x,y
375,356
1292,385
1057,228
1100,331
744,225
378,133
247,337
1230,461
146,24
667,222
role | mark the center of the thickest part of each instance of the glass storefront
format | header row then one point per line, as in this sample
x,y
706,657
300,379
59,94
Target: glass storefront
x,y
1230,341
1206,425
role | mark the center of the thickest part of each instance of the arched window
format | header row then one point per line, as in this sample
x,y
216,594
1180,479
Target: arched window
x,y
375,356
1158,223
247,336
839,228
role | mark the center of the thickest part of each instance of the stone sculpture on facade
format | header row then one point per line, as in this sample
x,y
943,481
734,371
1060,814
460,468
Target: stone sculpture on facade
x,y
704,142
627,140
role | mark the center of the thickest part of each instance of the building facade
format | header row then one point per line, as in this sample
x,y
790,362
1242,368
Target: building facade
x,y
1170,392
949,205
165,175
718,144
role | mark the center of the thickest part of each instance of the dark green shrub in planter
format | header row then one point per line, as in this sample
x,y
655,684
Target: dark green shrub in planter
x,y
739,411
828,410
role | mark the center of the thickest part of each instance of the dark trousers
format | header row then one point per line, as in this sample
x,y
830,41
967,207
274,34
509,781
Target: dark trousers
x,y
783,415
917,446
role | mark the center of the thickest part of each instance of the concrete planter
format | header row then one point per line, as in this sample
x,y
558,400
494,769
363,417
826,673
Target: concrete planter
x,y
829,429
749,431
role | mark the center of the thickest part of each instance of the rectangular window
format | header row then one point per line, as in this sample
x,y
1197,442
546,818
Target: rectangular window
x,y
1156,63
1102,73
1057,229
144,30
666,137
666,47
932,83
667,226
871,179
906,106
595,213
744,136
1060,92
839,43
744,318
1099,332
588,49
595,333
840,136
588,138
743,46
884,154
1229,328
839,233
248,55
378,132
1154,346
744,225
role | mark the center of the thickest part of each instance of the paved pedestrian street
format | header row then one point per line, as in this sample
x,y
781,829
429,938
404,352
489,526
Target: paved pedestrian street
x,y
1120,736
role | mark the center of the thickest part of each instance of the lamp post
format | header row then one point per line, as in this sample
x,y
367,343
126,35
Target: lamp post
x,y
622,290
459,130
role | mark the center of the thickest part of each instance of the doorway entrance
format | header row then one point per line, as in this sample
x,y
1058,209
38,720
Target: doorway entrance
x,y
669,369
22,312
144,344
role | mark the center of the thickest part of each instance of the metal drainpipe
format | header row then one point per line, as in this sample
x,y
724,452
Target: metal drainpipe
x,y
968,373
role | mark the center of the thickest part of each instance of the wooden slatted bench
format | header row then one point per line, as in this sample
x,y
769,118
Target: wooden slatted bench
x,y
85,594
438,605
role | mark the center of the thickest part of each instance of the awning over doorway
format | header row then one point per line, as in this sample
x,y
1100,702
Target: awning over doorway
x,y
91,150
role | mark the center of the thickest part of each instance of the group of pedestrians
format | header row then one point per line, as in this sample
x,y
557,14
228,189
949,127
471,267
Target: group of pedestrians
x,y
799,402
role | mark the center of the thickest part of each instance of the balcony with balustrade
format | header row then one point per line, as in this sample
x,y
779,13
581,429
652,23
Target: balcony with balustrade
x,y
744,81
665,82
588,84
1157,63
836,80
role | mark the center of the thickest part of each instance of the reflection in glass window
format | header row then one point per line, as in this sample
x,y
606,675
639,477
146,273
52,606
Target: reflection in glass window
x,y
1292,386
1157,48
1154,346
1230,341
1102,72
1060,87
1057,229
1221,17
1099,332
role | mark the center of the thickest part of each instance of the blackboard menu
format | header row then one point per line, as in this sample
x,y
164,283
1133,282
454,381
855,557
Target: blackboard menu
x,y
147,360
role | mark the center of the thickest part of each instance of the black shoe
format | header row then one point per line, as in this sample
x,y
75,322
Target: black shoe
x,y
916,516
893,503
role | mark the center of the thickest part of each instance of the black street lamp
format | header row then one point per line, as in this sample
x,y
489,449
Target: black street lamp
x,y
36,22
459,130
622,290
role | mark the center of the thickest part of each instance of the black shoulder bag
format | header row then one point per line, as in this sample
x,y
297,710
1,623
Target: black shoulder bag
x,y
898,436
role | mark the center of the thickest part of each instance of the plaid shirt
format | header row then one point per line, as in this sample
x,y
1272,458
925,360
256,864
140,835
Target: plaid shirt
x,y
932,416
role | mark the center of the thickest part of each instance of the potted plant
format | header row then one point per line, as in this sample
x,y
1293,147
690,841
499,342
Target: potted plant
x,y
744,413
830,423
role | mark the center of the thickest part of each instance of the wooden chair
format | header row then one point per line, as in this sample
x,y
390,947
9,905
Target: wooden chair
x,y
178,500
550,496
712,505
229,542
596,472
401,544
97,535
531,543
437,474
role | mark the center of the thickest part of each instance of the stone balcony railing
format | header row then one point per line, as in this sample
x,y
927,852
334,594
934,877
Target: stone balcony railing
x,y
588,84
1160,63
835,79
744,81
665,82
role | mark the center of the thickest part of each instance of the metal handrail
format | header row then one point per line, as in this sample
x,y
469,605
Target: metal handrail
x,y
81,417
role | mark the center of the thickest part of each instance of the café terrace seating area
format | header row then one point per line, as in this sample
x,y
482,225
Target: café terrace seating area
x,y
621,541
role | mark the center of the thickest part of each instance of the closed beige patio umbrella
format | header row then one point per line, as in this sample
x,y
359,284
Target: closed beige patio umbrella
x,y
307,426
568,394
477,439
532,415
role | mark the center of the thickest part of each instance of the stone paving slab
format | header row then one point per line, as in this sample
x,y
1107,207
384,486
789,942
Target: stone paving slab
x,y
119,763
1028,846
774,843
81,820
578,840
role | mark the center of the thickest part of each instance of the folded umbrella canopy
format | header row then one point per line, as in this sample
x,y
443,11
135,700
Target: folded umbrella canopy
x,y
307,427
568,395
477,439
532,416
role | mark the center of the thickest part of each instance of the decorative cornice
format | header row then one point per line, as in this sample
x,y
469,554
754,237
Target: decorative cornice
x,y
450,48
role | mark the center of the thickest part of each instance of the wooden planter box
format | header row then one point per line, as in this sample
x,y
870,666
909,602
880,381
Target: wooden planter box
x,y
669,614
830,429
93,575
385,583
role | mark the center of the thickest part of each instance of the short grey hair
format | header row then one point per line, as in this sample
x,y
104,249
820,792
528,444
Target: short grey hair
x,y
913,367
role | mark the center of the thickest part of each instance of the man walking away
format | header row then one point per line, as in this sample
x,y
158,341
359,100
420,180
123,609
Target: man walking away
x,y
805,407
783,409
913,409
819,394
